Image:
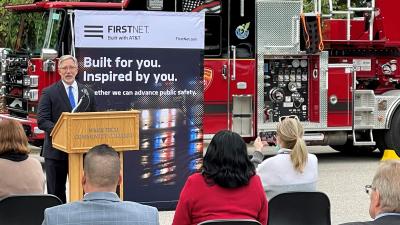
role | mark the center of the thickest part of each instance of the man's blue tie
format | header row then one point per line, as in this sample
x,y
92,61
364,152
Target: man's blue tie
x,y
71,97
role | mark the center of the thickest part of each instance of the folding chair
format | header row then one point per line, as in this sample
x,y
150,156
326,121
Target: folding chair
x,y
299,208
231,222
25,209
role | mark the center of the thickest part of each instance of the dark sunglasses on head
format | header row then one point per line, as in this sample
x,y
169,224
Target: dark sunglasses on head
x,y
290,117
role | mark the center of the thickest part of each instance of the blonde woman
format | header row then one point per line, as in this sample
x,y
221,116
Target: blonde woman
x,y
20,173
293,168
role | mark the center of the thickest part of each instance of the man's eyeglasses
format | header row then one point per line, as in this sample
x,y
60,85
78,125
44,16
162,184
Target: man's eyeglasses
x,y
70,68
369,188
290,117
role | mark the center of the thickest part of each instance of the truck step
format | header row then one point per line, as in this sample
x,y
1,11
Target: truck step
x,y
363,142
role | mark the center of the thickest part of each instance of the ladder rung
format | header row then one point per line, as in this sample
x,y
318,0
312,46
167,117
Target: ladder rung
x,y
363,143
363,127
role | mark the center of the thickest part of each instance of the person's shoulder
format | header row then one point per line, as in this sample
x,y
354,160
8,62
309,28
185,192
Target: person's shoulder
x,y
279,156
196,177
141,207
255,180
60,209
312,158
34,161
52,86
358,223
275,160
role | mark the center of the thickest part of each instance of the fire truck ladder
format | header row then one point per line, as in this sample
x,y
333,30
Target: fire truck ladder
x,y
363,117
350,10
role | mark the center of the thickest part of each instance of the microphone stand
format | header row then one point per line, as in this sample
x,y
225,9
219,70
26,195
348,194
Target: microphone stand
x,y
77,105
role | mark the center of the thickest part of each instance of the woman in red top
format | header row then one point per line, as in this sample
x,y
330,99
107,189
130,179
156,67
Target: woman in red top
x,y
227,187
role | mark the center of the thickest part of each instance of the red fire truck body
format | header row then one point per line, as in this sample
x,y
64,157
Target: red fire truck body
x,y
263,59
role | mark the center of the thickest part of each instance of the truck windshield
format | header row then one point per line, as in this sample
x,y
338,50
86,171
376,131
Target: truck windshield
x,y
31,31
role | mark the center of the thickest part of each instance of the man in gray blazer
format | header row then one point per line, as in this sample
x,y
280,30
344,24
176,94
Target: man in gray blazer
x,y
101,205
384,194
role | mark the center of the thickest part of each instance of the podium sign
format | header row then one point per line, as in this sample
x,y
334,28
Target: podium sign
x,y
76,133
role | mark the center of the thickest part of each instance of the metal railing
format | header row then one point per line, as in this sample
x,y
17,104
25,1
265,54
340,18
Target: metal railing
x,y
351,10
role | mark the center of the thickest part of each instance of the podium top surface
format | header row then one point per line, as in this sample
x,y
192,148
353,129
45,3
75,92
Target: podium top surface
x,y
78,132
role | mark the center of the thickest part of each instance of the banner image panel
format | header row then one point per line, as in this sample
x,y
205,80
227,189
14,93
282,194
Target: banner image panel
x,y
166,85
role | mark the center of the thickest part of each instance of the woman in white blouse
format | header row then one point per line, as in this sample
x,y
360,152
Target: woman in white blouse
x,y
293,168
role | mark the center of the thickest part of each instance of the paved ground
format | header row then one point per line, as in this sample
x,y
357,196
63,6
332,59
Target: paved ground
x,y
341,177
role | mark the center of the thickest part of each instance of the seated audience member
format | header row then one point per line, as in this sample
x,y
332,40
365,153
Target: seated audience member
x,y
384,194
20,173
293,168
101,205
227,187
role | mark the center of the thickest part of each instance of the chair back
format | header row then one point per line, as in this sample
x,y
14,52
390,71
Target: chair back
x,y
231,222
299,208
25,209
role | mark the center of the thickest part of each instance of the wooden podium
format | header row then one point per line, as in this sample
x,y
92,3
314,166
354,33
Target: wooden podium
x,y
76,133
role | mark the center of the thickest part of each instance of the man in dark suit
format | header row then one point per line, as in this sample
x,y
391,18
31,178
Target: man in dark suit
x,y
65,95
101,205
384,194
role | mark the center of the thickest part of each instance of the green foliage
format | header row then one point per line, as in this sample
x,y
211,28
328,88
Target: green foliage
x,y
308,5
5,16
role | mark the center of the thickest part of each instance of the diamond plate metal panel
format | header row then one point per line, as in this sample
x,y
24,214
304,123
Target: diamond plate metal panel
x,y
260,92
278,27
364,108
323,76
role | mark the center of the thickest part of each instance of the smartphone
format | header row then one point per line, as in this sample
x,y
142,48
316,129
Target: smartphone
x,y
268,138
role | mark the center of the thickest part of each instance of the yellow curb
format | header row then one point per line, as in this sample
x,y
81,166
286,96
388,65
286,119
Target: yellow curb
x,y
389,154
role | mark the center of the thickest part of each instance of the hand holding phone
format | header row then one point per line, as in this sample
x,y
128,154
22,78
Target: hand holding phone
x,y
258,144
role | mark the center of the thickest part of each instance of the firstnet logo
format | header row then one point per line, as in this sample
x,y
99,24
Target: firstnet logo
x,y
93,31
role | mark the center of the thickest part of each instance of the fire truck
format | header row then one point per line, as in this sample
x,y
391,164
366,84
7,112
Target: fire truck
x,y
335,68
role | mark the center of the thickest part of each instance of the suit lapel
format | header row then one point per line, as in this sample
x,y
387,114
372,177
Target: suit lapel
x,y
63,94
80,93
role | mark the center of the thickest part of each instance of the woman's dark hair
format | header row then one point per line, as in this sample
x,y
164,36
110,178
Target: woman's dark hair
x,y
226,162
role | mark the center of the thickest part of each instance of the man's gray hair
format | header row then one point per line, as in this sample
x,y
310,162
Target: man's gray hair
x,y
387,182
102,166
66,57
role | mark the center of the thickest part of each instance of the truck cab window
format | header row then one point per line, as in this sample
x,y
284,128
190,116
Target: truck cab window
x,y
213,39
31,31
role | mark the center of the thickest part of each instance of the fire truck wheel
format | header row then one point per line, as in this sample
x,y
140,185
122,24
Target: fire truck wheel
x,y
349,148
392,139
379,137
339,148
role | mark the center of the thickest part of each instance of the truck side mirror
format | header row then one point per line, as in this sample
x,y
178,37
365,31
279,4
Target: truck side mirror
x,y
48,55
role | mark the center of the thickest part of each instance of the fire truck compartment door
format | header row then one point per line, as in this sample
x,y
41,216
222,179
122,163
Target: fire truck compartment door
x,y
215,95
340,100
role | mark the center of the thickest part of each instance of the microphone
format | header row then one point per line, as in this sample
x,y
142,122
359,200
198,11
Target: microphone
x,y
85,93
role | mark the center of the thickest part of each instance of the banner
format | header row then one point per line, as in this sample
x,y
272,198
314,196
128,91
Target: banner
x,y
139,29
159,71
